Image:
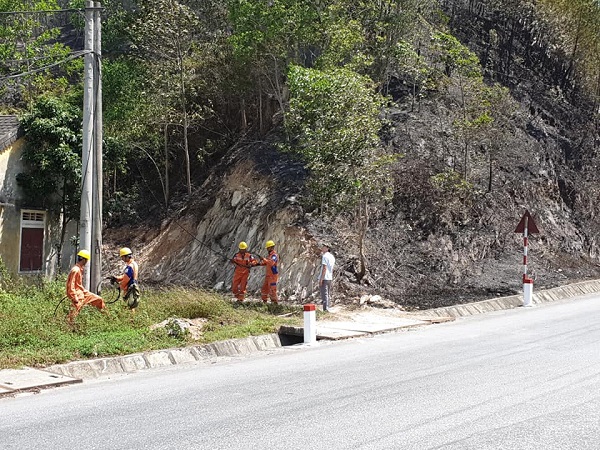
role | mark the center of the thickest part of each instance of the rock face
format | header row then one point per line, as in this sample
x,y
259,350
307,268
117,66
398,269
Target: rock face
x,y
248,204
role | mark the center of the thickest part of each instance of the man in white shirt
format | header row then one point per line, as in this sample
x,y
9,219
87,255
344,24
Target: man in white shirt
x,y
326,275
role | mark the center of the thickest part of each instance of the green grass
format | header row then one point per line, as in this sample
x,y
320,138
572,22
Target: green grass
x,y
31,334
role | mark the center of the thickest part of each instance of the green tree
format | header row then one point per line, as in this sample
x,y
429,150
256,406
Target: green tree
x,y
53,159
463,70
577,23
32,60
268,36
334,121
170,36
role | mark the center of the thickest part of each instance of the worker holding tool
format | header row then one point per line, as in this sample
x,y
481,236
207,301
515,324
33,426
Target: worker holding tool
x,y
243,261
79,295
128,280
269,288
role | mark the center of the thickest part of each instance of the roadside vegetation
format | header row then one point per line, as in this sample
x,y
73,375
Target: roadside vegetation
x,y
31,334
424,125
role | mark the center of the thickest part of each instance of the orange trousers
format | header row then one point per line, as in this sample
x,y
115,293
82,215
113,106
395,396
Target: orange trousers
x,y
88,299
269,289
240,281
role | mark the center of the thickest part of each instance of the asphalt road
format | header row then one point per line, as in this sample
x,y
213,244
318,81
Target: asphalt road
x,y
520,379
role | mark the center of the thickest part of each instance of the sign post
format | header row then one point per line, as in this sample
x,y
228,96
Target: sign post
x,y
526,226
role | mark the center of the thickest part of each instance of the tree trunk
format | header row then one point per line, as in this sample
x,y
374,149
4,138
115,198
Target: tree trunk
x,y
363,219
491,173
63,228
260,107
244,123
509,55
186,124
166,190
465,138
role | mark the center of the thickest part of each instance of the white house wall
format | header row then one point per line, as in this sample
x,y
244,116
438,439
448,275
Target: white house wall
x,y
10,219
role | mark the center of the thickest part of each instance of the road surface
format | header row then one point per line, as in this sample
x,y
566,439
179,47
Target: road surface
x,y
521,379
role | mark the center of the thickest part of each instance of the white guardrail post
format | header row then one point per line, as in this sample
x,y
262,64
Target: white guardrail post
x,y
310,324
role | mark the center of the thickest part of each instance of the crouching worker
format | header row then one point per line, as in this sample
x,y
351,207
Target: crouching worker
x,y
79,295
128,279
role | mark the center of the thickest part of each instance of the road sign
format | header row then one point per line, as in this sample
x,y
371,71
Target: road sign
x,y
527,222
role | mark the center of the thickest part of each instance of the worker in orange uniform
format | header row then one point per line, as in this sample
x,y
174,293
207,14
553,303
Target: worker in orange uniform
x,y
79,295
128,280
269,288
243,261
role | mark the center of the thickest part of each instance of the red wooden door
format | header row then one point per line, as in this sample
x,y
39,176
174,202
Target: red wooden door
x,y
32,249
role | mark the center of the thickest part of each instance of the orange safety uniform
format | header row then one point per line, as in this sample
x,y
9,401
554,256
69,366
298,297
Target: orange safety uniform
x,y
129,276
79,295
243,262
269,287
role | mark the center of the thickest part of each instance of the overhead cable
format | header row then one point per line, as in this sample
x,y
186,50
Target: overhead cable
x,y
75,55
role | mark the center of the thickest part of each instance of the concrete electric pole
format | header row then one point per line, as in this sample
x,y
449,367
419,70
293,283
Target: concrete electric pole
x,y
90,223
96,250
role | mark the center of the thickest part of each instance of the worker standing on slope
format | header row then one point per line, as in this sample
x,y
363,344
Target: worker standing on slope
x,y
243,261
326,275
269,288
79,295
128,279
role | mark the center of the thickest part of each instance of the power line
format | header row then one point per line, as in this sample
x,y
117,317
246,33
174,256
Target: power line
x,y
75,55
44,11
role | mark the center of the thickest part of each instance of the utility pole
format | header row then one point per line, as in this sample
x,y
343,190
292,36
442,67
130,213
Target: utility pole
x,y
87,161
96,251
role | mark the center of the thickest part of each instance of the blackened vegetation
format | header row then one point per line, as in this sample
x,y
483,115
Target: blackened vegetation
x,y
446,242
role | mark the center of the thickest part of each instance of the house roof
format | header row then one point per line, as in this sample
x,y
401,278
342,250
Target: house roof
x,y
9,130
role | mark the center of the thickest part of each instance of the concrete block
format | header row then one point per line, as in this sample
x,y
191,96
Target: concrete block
x,y
271,341
108,366
486,306
246,346
205,352
93,368
158,359
182,355
133,363
225,348
478,308
82,369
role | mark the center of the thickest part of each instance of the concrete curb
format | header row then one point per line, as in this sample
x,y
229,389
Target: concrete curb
x,y
237,347
94,368
514,301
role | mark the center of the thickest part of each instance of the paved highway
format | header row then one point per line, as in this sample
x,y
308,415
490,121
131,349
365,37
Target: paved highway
x,y
520,379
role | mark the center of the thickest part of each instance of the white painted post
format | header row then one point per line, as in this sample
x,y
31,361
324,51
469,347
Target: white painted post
x,y
527,291
310,324
526,225
527,282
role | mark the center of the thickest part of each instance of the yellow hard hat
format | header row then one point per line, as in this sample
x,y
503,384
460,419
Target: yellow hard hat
x,y
243,245
270,244
125,251
84,254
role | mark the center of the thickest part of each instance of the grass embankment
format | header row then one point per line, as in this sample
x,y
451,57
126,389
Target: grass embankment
x,y
30,333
